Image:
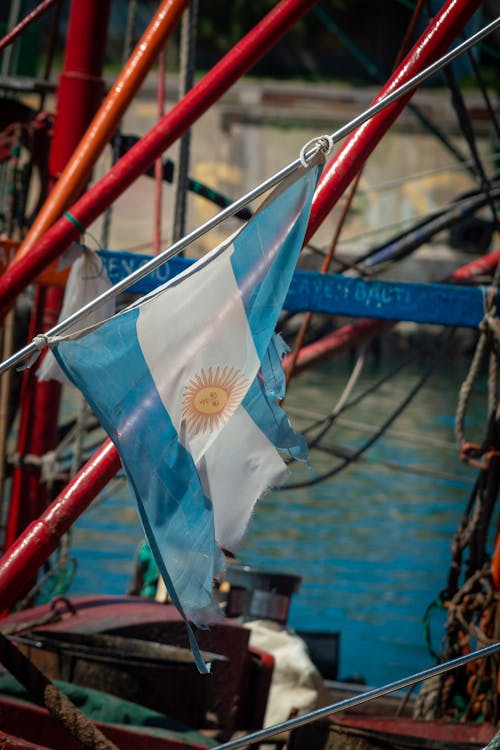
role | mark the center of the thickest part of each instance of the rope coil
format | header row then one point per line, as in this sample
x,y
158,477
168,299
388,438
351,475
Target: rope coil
x,y
489,342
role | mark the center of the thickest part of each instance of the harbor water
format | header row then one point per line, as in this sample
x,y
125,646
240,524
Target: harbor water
x,y
372,544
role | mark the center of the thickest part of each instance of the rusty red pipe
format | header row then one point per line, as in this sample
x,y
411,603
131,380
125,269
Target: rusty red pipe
x,y
24,558
26,22
444,28
80,92
78,168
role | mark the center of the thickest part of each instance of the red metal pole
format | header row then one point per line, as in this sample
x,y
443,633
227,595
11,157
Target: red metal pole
x,y
438,36
79,94
440,33
232,66
21,562
26,21
77,169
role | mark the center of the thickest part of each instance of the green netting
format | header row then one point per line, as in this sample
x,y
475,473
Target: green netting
x,y
100,706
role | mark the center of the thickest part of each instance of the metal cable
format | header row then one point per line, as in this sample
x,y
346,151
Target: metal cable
x,y
380,431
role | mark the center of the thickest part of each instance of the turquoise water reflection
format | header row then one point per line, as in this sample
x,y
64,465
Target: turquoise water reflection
x,y
372,545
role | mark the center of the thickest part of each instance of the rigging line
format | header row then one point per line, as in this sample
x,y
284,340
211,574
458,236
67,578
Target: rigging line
x,y
221,200
482,86
409,437
117,138
412,438
330,418
158,165
379,76
310,150
398,181
325,267
51,51
328,259
380,431
25,22
422,218
480,81
351,383
357,700
187,62
340,452
465,124
411,239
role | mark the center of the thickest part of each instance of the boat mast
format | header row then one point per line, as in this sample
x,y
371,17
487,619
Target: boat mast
x,y
79,94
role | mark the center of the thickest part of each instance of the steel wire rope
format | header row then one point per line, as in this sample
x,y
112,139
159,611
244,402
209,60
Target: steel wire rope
x,y
434,221
187,63
428,216
340,452
384,426
465,123
396,182
328,420
412,438
484,91
428,225
378,76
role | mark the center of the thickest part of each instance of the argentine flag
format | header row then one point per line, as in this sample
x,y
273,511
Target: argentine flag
x,y
185,382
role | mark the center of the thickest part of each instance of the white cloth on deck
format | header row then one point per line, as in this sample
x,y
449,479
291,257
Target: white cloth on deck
x,y
296,683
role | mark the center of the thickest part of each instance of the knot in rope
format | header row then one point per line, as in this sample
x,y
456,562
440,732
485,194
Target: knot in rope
x,y
316,150
39,342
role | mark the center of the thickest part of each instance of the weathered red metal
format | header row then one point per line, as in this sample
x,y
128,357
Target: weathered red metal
x,y
8,742
440,33
37,542
438,36
41,538
368,732
232,66
28,19
79,94
37,428
77,169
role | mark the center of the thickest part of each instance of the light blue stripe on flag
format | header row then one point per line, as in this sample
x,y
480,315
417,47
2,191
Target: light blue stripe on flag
x,y
185,383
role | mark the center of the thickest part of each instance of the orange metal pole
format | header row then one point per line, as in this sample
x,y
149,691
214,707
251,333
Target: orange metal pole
x,y
78,169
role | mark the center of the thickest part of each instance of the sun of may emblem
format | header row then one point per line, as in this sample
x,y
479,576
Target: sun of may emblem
x,y
211,397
